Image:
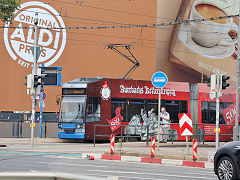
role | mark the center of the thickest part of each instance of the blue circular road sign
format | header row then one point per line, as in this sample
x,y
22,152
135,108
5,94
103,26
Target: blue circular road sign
x,y
159,79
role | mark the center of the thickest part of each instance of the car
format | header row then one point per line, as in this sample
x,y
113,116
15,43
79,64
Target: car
x,y
227,161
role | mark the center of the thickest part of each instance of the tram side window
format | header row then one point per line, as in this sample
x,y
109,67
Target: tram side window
x,y
153,104
93,110
116,103
134,108
208,110
174,108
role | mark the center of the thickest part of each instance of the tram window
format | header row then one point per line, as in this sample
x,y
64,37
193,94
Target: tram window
x,y
205,113
183,107
134,108
116,103
174,107
209,112
93,110
153,104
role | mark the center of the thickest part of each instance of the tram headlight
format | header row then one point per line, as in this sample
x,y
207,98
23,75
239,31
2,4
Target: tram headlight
x,y
78,126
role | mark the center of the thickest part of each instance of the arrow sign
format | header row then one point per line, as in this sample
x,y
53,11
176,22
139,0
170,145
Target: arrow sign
x,y
39,50
185,123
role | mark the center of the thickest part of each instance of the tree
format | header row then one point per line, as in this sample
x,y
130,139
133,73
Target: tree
x,y
7,8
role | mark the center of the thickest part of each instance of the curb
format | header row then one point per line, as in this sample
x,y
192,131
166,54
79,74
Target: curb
x,y
131,159
111,157
172,162
151,160
194,164
199,164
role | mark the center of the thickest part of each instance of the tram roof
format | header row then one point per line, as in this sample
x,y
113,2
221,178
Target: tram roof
x,y
80,82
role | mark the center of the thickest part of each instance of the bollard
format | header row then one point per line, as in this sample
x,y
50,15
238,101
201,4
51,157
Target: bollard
x,y
112,144
194,149
153,144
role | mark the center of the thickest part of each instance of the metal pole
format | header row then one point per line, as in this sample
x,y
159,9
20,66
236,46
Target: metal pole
x,y
217,111
159,111
45,129
41,113
236,136
34,71
147,135
121,136
94,138
187,145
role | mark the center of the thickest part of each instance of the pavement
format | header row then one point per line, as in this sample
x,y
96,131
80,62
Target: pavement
x,y
45,163
170,154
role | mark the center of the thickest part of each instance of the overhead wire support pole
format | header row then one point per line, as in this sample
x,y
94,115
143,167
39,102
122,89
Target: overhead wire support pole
x,y
236,134
34,72
217,110
134,60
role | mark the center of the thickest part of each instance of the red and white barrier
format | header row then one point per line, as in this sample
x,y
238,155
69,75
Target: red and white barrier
x,y
112,144
194,149
153,145
90,157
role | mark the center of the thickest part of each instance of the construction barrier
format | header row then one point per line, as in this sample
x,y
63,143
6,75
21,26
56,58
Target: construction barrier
x,y
112,144
90,157
194,149
153,145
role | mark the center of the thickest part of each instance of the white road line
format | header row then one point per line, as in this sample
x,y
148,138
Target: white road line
x,y
185,167
129,177
94,165
168,175
73,164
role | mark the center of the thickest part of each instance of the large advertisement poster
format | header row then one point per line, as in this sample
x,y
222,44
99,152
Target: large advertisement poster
x,y
80,52
207,46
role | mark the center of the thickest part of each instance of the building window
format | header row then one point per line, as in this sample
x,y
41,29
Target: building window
x,y
93,110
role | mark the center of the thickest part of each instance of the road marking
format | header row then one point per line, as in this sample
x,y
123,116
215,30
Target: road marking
x,y
132,177
140,165
40,153
74,164
124,172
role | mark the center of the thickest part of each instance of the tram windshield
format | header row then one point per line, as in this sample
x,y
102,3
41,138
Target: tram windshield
x,y
72,109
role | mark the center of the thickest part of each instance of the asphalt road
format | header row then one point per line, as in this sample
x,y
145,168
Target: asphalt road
x,y
35,162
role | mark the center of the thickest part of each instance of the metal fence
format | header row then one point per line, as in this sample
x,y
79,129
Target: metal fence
x,y
200,132
18,125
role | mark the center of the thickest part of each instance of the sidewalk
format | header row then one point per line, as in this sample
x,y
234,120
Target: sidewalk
x,y
175,151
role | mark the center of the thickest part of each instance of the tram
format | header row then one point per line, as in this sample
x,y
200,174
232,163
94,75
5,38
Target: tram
x,y
87,102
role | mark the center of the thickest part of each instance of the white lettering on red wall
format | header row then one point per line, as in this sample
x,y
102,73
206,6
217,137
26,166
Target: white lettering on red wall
x,y
146,90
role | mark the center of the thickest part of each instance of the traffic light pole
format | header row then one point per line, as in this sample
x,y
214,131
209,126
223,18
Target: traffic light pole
x,y
217,110
34,72
236,133
41,113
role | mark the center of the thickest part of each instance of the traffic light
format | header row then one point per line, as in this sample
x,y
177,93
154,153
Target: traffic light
x,y
34,82
212,81
29,82
38,81
224,84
